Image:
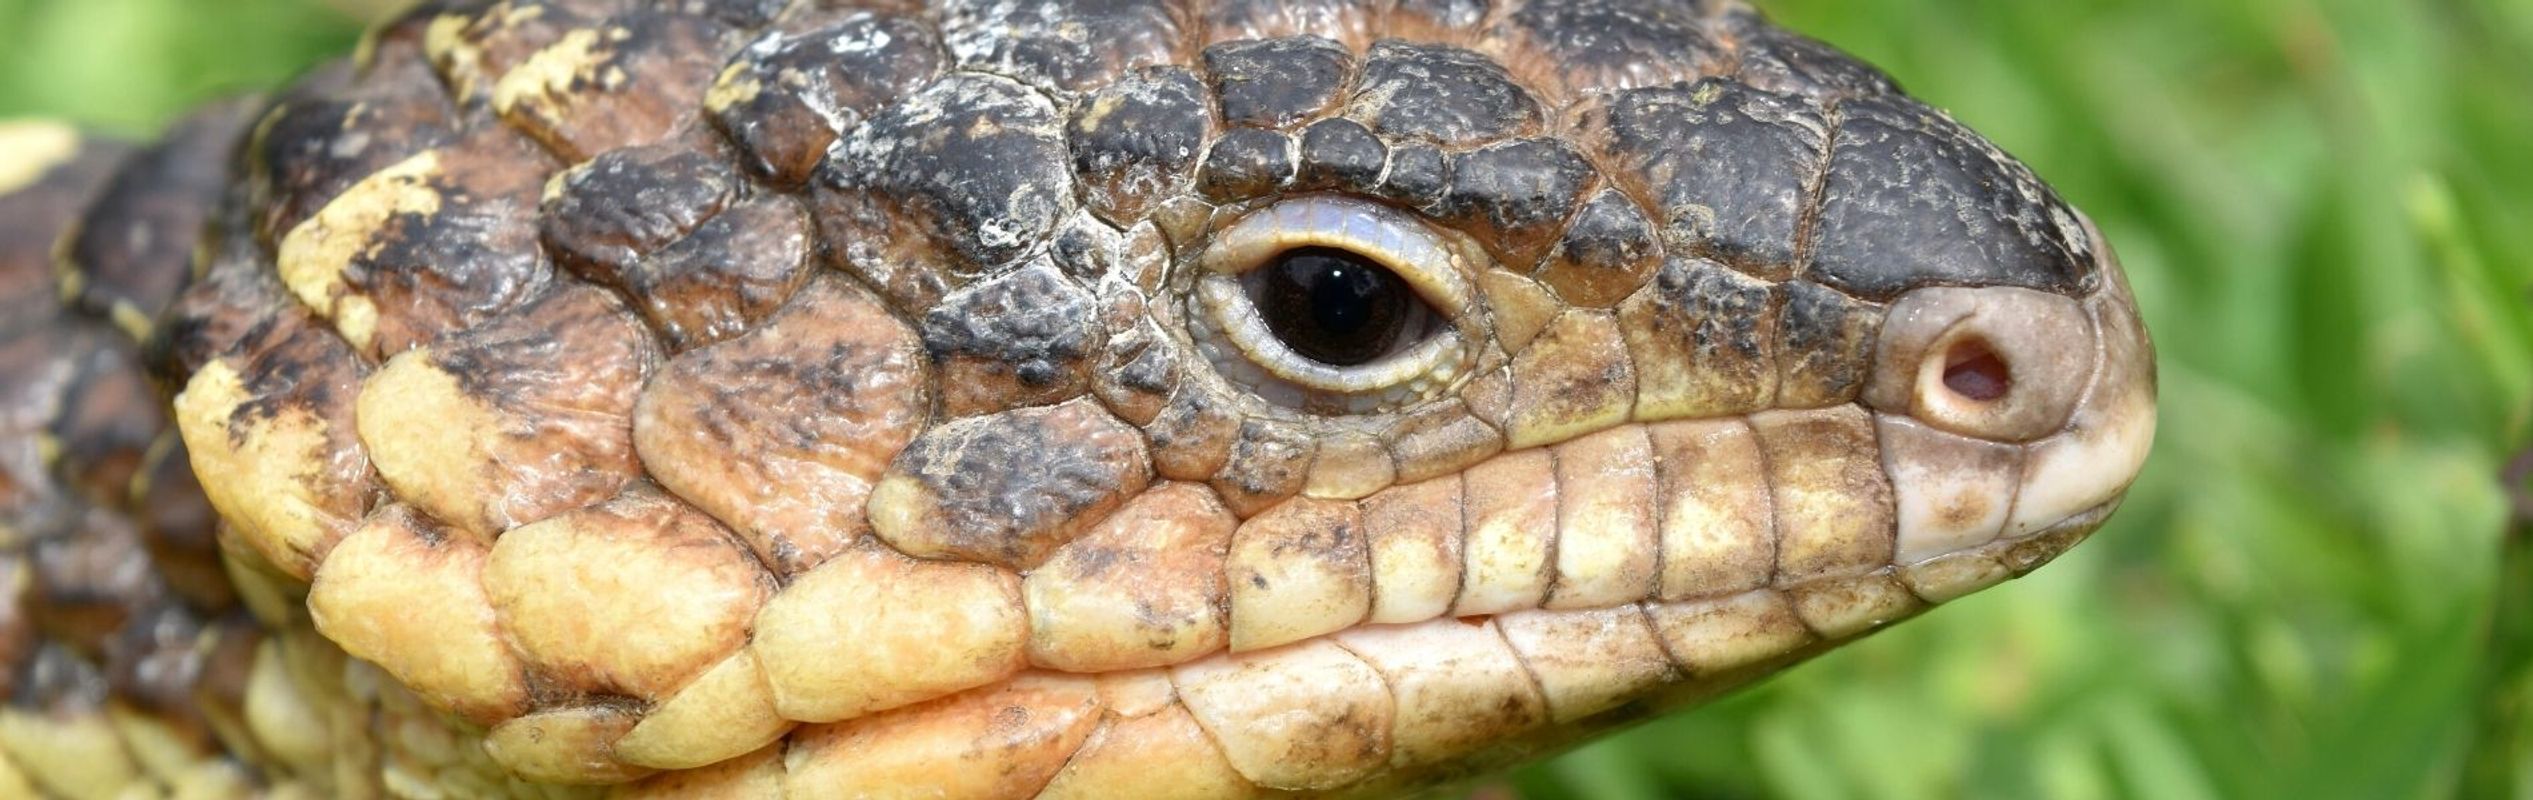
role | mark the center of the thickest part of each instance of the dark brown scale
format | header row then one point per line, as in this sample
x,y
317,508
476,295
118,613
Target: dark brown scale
x,y
1514,196
1913,199
1064,46
785,98
1825,342
236,294
301,158
434,273
1340,154
1268,462
1443,94
1729,169
1607,251
666,227
986,505
1277,83
1022,338
39,365
1246,163
33,217
1779,60
1417,176
134,245
1136,142
104,434
1138,373
615,209
727,276
961,178
1605,45
1192,435
634,79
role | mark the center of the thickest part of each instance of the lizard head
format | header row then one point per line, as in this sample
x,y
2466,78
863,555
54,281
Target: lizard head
x,y
1318,396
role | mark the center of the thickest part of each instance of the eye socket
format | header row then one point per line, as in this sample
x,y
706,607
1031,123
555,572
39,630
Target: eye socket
x,y
1333,305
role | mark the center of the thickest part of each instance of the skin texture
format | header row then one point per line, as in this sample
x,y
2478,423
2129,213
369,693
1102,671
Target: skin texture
x,y
748,397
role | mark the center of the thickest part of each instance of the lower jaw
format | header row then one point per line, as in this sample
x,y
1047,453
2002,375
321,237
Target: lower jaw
x,y
1468,696
1370,711
1374,710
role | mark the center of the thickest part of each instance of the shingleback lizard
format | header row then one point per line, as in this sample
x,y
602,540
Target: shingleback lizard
x,y
1011,398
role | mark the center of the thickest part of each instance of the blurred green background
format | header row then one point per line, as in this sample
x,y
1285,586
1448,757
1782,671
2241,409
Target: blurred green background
x,y
2327,209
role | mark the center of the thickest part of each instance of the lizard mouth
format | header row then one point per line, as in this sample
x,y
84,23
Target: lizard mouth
x,y
1406,704
1519,606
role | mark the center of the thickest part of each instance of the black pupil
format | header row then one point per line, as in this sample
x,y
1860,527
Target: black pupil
x,y
1333,306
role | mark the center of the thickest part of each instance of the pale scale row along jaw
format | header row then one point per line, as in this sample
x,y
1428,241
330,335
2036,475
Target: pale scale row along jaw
x,y
853,434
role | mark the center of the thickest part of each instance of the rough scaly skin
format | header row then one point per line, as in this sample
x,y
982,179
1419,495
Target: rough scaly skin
x,y
757,397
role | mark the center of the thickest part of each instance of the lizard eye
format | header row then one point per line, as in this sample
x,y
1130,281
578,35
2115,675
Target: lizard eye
x,y
1337,307
1333,305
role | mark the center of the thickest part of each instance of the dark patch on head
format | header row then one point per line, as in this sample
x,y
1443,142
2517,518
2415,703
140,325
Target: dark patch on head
x,y
1606,252
1441,93
1340,154
1915,199
1065,46
964,176
1783,61
1418,176
1729,167
1136,141
1022,337
237,291
812,86
731,273
1516,194
1246,163
328,133
1825,342
1012,487
574,347
1278,82
1268,462
1599,45
626,204
135,246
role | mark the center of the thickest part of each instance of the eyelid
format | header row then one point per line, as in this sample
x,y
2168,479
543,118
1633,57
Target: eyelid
x,y
1419,256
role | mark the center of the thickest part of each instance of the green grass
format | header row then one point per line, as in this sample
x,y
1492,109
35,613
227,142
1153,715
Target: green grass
x,y
2327,209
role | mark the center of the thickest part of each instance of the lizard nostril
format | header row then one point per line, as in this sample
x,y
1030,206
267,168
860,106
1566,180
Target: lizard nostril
x,y
1973,370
